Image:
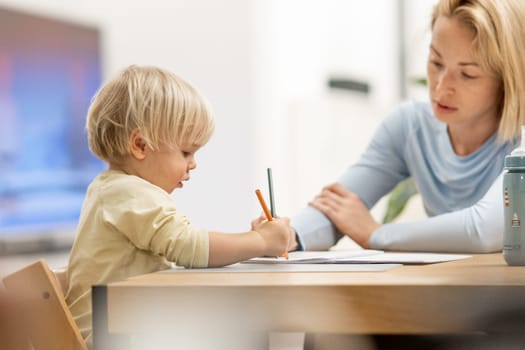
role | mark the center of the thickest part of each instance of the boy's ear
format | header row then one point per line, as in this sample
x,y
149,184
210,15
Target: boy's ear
x,y
137,145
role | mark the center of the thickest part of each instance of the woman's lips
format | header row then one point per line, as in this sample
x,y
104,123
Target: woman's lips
x,y
442,108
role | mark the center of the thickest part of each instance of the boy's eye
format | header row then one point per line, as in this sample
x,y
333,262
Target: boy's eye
x,y
186,154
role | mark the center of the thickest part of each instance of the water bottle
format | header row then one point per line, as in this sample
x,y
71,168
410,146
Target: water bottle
x,y
514,205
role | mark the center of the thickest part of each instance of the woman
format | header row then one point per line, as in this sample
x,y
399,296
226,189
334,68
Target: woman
x,y
452,146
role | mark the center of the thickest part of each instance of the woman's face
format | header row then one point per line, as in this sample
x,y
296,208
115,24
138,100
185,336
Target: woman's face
x,y
462,94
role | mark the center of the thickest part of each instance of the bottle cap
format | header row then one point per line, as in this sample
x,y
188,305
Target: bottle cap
x,y
515,161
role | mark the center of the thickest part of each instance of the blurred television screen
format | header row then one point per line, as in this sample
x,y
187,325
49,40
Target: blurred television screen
x,y
49,71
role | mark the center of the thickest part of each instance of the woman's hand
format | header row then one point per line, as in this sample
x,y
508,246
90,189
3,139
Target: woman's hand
x,y
347,212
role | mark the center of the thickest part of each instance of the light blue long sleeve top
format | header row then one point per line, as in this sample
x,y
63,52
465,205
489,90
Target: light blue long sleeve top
x,y
462,195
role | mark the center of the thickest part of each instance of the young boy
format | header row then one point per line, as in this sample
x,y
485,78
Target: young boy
x,y
147,124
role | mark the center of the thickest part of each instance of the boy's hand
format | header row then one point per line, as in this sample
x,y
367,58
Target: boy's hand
x,y
256,222
275,234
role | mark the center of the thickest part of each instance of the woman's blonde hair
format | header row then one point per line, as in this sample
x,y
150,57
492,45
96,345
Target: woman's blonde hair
x,y
164,108
499,47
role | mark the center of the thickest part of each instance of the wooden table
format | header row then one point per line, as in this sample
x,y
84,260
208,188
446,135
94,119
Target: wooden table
x,y
452,297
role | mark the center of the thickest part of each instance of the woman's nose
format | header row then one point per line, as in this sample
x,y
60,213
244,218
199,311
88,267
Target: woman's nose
x,y
445,82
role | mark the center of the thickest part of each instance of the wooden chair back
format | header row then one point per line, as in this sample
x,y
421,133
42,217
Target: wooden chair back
x,y
11,328
61,277
39,302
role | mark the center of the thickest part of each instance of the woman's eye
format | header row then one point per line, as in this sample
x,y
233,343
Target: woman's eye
x,y
468,76
436,64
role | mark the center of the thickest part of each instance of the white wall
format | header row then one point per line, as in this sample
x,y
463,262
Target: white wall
x,y
307,133
208,43
263,64
417,36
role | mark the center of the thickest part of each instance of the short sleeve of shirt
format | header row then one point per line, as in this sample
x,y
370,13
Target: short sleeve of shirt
x,y
147,216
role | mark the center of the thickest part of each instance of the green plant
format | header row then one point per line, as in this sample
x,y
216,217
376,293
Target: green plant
x,y
398,199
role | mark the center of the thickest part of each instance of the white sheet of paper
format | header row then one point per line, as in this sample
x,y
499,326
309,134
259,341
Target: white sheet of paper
x,y
246,267
314,257
404,258
359,257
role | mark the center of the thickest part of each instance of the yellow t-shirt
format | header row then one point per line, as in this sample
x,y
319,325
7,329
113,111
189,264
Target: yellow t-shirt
x,y
127,227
